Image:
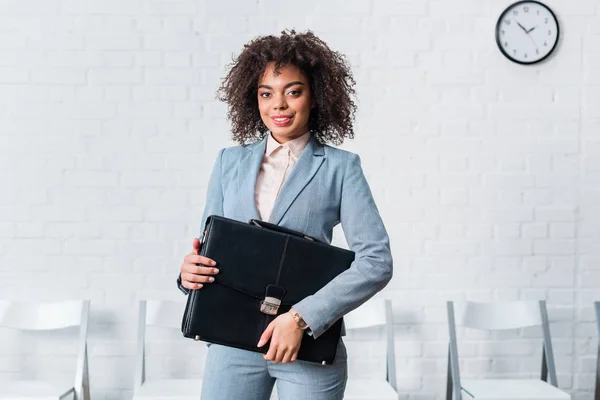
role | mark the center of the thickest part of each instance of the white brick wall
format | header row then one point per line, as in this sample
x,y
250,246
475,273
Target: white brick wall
x,y
486,172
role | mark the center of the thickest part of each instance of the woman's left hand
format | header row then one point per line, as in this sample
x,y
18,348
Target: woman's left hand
x,y
285,339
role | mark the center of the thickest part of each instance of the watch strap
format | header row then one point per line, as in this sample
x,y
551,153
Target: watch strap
x,y
299,321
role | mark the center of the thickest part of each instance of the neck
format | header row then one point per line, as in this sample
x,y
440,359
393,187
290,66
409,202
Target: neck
x,y
285,139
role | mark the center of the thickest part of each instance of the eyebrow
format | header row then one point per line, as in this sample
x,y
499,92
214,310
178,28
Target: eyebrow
x,y
285,87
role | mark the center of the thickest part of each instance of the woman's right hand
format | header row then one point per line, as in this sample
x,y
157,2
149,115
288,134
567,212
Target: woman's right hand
x,y
197,270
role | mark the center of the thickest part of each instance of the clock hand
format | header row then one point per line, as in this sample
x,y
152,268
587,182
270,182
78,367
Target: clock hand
x,y
531,29
522,27
530,37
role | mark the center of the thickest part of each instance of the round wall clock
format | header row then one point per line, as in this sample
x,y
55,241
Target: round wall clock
x,y
527,32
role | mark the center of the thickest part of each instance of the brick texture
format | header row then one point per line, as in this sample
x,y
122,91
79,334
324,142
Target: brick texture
x,y
487,173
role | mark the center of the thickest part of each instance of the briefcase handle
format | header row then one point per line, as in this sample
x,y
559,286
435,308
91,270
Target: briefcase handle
x,y
277,228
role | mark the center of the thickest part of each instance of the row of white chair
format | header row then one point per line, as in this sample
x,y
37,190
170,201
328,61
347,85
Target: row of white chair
x,y
376,313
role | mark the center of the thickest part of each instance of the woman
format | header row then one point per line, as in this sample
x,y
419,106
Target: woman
x,y
288,96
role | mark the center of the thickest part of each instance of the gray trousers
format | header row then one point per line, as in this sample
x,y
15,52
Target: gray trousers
x,y
234,374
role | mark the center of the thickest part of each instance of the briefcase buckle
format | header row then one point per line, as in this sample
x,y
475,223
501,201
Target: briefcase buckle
x,y
270,305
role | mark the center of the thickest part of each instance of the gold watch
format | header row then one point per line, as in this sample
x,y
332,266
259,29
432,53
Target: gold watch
x,y
299,321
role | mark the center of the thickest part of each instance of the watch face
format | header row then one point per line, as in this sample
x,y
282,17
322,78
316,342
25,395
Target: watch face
x,y
527,32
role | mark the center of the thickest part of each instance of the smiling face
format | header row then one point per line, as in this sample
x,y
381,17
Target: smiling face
x,y
284,102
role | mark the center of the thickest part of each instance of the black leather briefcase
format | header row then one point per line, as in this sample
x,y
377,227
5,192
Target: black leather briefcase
x,y
264,269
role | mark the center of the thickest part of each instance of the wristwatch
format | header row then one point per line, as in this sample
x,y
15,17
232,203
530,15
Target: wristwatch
x,y
299,321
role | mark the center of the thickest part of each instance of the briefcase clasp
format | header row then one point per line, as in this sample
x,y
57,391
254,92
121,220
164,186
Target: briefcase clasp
x,y
270,305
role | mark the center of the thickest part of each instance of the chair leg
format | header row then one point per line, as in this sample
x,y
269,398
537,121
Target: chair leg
x,y
597,394
83,392
449,380
544,366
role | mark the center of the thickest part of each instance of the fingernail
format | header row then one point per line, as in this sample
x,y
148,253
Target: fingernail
x,y
199,285
259,344
213,263
216,270
211,279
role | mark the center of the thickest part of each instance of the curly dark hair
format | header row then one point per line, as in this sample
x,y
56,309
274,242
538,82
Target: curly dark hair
x,y
331,84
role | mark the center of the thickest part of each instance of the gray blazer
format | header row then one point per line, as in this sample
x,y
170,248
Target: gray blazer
x,y
326,187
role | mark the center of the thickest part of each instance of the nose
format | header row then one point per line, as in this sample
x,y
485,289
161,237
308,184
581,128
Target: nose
x,y
279,103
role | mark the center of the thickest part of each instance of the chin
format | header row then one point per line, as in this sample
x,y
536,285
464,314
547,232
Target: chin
x,y
281,131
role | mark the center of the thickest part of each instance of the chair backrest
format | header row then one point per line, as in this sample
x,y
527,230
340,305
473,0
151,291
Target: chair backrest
x,y
165,314
377,312
44,316
500,316
371,313
41,316
497,316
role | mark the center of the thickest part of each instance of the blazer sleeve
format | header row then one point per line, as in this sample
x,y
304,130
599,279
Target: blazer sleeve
x,y
214,201
372,268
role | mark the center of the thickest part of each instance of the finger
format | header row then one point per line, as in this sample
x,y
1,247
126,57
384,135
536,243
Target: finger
x,y
191,285
280,354
196,246
195,259
294,356
272,352
194,269
287,357
196,278
264,338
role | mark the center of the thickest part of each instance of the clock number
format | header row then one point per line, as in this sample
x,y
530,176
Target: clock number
x,y
505,44
546,20
525,55
503,32
515,51
526,9
537,51
545,43
538,12
507,21
515,12
549,32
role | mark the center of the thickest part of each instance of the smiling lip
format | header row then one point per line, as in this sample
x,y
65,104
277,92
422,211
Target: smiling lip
x,y
282,120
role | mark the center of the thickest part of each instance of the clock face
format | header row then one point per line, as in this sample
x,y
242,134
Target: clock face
x,y
527,32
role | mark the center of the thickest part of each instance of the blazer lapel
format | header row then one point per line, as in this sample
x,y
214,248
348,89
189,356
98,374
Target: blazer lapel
x,y
305,168
247,172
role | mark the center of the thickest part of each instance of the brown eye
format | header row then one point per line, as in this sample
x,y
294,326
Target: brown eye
x,y
264,95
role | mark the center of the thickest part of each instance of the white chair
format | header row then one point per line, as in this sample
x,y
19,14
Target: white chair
x,y
500,316
166,314
373,313
597,393
29,316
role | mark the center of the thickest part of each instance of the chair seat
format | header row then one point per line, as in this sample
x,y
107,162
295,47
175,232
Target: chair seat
x,y
170,389
371,389
511,389
51,390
